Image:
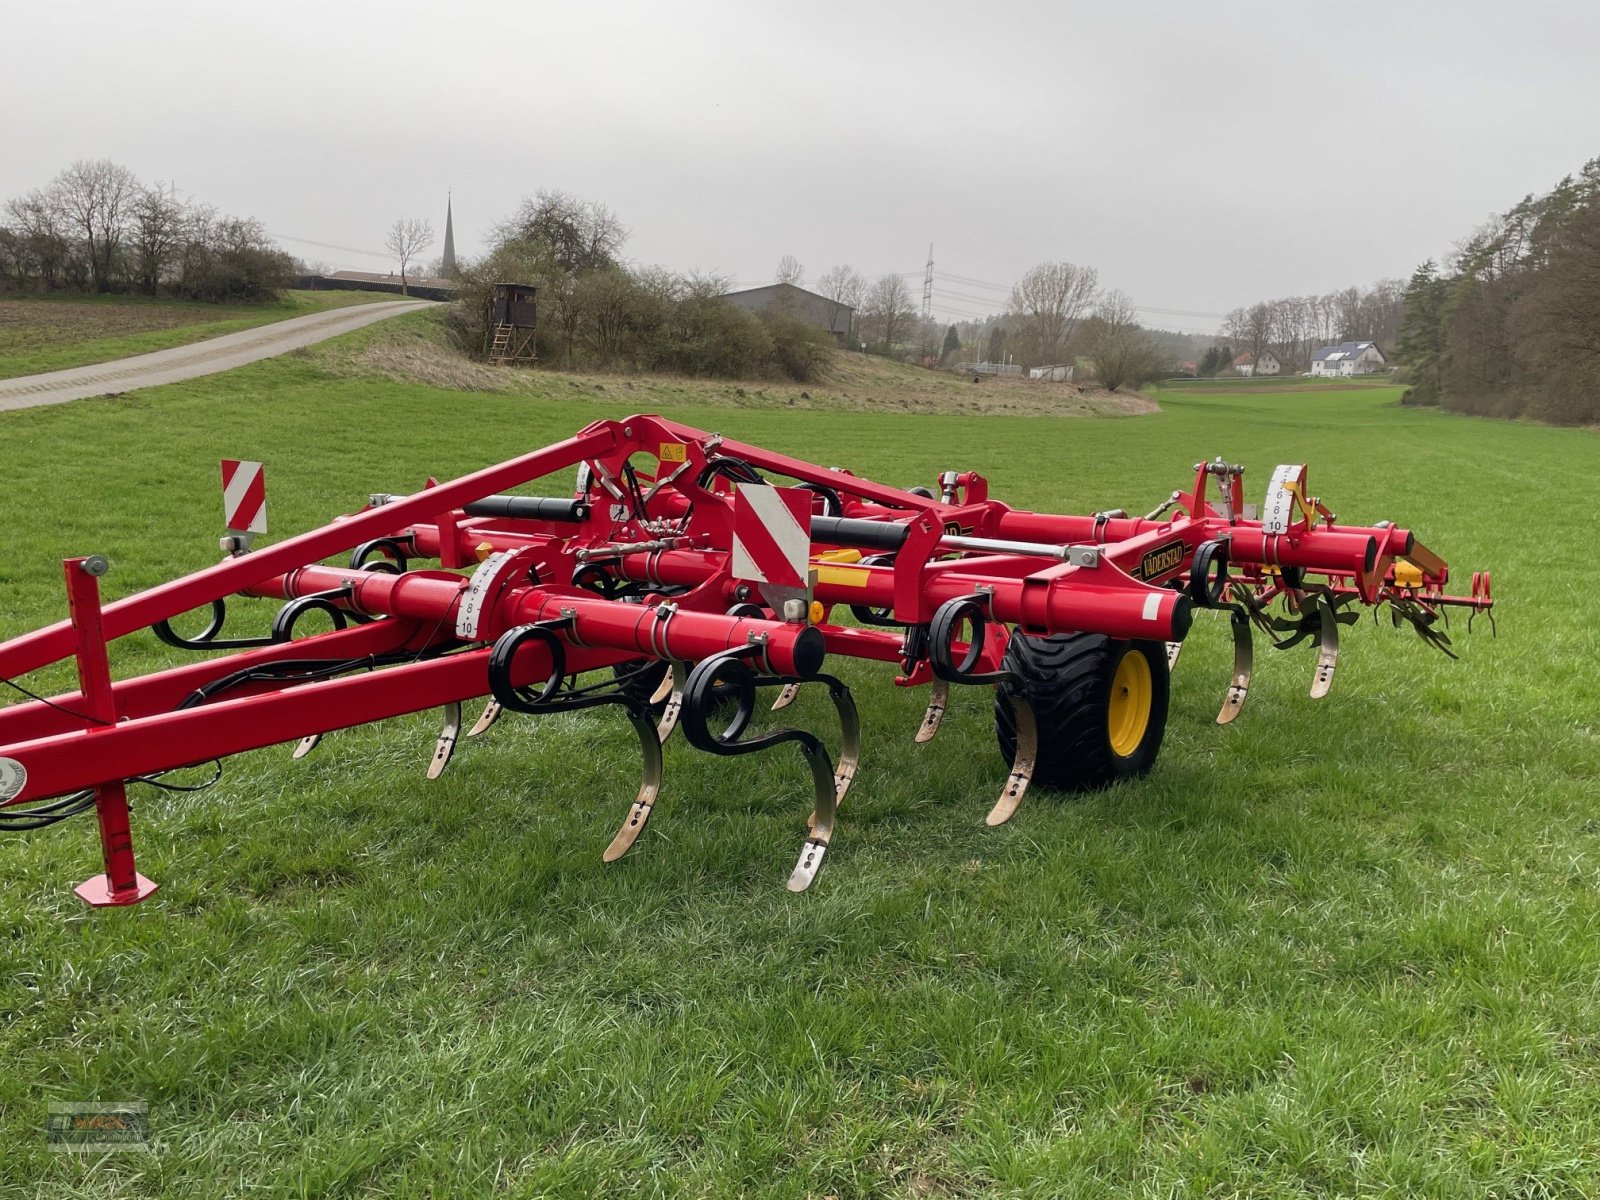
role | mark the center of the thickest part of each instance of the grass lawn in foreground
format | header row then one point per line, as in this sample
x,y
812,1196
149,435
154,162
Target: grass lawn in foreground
x,y
52,333
1347,947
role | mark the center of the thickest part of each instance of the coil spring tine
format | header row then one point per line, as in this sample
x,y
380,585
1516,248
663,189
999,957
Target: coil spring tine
x,y
1243,663
938,701
844,772
1022,763
446,746
1327,649
649,786
822,818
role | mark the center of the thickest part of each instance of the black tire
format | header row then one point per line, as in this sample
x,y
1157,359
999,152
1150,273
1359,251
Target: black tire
x,y
1067,678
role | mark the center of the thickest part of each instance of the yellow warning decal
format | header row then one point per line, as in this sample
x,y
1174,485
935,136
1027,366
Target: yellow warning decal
x,y
841,576
672,452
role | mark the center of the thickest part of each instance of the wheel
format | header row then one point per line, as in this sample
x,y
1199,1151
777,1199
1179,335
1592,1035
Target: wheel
x,y
1101,705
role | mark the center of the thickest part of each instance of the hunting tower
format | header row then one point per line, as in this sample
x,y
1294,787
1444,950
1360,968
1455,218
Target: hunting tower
x,y
513,318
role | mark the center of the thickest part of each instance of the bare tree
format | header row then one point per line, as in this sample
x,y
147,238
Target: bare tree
x,y
888,311
42,234
94,196
1118,349
1049,301
790,271
843,287
158,221
408,238
581,235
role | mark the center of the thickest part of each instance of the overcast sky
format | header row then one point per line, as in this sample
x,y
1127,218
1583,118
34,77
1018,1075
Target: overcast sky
x,y
1201,156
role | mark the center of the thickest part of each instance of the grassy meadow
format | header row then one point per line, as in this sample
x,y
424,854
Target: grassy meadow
x,y
52,333
1339,948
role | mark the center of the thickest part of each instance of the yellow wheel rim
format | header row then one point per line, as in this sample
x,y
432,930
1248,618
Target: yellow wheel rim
x,y
1128,714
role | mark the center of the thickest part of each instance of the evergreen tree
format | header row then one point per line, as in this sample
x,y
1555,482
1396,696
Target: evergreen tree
x,y
952,343
1422,333
997,345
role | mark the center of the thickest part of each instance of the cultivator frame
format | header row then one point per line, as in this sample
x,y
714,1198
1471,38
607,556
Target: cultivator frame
x,y
679,572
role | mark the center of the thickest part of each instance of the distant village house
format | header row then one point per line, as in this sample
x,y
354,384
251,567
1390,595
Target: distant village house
x,y
810,307
1348,358
1249,364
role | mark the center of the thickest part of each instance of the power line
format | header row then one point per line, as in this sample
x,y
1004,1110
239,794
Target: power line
x,y
284,237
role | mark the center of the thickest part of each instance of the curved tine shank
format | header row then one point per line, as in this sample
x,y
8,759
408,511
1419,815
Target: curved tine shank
x,y
649,786
1244,655
673,683
446,746
490,714
844,774
1327,649
306,745
816,845
1022,764
1174,651
938,701
786,696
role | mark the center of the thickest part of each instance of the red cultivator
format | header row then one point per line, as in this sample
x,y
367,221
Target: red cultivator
x,y
674,584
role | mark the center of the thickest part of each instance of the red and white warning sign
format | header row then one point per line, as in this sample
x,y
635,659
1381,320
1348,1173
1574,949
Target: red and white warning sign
x,y
772,534
244,496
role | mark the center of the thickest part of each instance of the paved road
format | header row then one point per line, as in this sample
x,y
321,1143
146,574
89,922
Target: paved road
x,y
201,358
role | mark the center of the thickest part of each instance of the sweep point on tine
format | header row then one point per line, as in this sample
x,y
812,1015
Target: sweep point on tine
x,y
786,696
1174,651
1327,649
445,748
649,786
1243,665
673,684
805,871
490,714
938,702
1022,764
306,745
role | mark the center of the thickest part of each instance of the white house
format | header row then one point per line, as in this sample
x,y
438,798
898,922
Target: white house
x,y
1348,358
1249,364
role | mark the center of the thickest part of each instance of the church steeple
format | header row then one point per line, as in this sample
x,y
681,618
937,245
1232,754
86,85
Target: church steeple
x,y
448,261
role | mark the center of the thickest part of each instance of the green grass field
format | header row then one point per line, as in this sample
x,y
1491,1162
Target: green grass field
x,y
52,333
1348,947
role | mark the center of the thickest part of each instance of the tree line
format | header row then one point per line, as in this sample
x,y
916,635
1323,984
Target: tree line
x,y
598,313
1510,324
96,228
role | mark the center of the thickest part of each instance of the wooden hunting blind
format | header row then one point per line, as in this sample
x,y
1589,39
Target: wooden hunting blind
x,y
513,320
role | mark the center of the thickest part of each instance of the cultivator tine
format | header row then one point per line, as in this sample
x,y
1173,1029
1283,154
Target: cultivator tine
x,y
786,696
649,786
1022,764
446,746
490,714
1174,650
1243,663
306,745
844,771
822,817
673,685
1327,649
938,701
